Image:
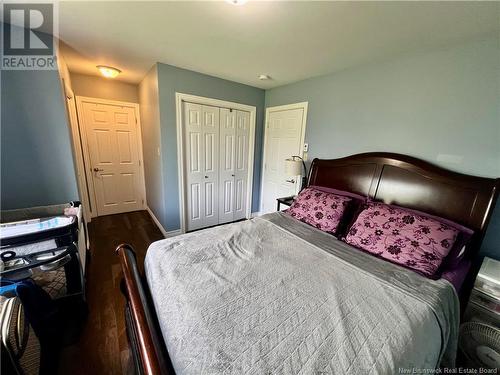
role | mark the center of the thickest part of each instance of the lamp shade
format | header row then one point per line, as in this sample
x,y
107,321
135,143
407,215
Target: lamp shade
x,y
293,167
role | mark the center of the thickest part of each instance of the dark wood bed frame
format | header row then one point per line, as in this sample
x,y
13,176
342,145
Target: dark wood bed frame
x,y
387,177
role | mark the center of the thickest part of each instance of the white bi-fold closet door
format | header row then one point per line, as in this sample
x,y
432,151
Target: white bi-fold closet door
x,y
233,164
216,164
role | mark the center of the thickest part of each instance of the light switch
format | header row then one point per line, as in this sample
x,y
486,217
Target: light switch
x,y
306,147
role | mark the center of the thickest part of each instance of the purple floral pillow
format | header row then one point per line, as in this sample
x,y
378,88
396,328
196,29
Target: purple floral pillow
x,y
403,237
320,209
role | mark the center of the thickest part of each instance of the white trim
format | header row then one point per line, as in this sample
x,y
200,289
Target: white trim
x,y
173,233
85,149
256,214
166,234
179,98
157,222
77,150
286,107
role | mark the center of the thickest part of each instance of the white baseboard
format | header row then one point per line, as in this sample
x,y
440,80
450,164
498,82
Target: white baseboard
x,y
171,233
256,214
157,222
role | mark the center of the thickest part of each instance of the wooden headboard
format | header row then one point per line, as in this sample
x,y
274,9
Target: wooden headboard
x,y
413,183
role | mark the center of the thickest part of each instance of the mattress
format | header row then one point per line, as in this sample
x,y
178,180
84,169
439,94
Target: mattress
x,y
273,295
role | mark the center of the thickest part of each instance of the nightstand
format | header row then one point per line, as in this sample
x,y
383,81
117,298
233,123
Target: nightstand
x,y
479,339
287,201
484,301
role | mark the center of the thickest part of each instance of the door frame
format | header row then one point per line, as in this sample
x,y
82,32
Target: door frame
x,y
86,153
69,97
179,99
279,108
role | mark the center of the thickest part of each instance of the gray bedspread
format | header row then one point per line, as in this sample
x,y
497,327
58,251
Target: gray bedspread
x,y
272,295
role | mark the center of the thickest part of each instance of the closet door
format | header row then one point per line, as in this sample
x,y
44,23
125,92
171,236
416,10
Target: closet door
x,y
201,126
242,134
226,165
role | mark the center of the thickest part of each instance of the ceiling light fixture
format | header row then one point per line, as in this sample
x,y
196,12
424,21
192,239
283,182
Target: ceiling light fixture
x,y
236,2
264,77
108,71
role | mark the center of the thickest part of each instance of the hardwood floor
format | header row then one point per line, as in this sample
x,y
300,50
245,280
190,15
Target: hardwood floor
x,y
102,347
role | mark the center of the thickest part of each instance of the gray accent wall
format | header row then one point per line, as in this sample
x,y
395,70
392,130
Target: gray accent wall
x,y
171,80
36,156
441,106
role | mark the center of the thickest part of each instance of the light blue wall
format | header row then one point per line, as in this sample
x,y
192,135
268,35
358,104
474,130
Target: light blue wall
x,y
172,80
36,158
151,143
426,104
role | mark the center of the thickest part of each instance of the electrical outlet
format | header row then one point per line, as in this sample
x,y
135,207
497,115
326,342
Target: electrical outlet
x,y
306,147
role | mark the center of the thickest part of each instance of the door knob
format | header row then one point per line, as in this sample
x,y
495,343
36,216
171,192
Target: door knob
x,y
232,175
292,181
98,169
206,176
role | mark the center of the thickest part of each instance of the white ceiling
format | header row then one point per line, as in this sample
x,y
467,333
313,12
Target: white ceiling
x,y
289,41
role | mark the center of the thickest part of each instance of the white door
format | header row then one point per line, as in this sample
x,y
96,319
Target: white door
x,y
201,134
112,138
241,164
226,165
284,138
233,165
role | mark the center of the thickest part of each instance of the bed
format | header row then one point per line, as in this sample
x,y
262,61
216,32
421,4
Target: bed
x,y
275,295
